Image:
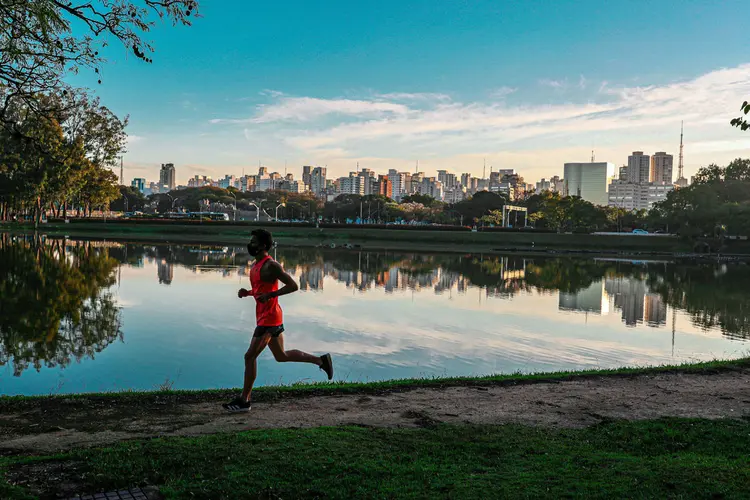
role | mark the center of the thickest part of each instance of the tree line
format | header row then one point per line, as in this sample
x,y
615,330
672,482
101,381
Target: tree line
x,y
56,141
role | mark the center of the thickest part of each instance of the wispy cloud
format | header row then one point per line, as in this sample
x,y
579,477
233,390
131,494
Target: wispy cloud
x,y
132,139
305,109
555,84
419,96
502,92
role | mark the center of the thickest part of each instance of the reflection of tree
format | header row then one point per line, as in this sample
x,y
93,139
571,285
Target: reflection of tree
x,y
713,297
55,306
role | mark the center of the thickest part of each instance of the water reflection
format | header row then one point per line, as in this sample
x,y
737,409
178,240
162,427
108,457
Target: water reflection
x,y
59,303
54,302
714,295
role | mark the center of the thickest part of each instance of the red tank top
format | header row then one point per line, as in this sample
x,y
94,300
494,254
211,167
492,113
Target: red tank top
x,y
266,313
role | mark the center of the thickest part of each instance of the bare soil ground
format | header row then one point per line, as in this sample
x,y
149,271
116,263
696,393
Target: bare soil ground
x,y
54,424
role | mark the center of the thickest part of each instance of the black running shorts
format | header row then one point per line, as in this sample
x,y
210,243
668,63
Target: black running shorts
x,y
275,331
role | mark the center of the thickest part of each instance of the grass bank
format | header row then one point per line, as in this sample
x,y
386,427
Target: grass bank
x,y
396,239
269,393
669,458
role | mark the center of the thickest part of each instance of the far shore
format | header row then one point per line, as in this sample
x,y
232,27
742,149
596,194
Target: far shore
x,y
377,239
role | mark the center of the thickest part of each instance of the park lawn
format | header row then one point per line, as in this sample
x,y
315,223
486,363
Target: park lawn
x,y
675,458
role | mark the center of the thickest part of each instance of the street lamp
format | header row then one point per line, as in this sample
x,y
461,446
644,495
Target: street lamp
x,y
276,215
257,209
174,200
235,205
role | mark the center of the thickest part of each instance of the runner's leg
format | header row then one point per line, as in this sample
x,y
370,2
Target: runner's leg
x,y
257,344
276,344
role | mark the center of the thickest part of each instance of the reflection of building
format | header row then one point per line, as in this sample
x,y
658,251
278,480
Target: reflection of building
x,y
589,299
655,313
165,271
311,278
629,296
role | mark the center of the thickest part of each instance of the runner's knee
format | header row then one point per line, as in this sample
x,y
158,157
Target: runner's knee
x,y
281,357
251,355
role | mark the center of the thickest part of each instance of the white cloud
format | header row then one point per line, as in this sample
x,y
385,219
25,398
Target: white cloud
x,y
555,84
419,96
582,82
305,109
502,92
132,139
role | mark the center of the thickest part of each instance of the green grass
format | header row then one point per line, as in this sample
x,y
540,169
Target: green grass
x,y
329,388
239,232
670,458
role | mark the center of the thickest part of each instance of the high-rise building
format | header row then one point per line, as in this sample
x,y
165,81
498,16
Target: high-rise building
x,y
318,184
639,167
588,180
630,196
139,184
623,173
366,179
448,179
398,184
262,171
226,182
167,176
661,167
555,185
466,180
248,183
351,185
385,187
306,174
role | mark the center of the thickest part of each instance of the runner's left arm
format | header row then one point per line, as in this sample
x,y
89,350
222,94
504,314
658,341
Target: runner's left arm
x,y
278,273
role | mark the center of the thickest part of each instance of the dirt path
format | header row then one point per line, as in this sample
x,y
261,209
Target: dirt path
x,y
49,425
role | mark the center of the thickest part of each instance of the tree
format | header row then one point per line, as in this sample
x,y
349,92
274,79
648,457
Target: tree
x,y
42,41
479,205
423,199
741,122
98,190
130,200
720,196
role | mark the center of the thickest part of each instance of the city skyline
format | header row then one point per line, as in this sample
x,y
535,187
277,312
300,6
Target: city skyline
x,y
386,85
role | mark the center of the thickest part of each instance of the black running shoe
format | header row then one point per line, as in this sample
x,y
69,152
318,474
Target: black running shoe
x,y
237,405
327,365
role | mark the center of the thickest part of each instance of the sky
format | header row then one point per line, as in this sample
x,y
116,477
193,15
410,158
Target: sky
x,y
453,85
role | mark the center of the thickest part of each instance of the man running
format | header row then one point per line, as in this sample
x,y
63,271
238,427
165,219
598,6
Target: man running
x,y
264,277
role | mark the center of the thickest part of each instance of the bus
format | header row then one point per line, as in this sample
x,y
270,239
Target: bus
x,y
210,215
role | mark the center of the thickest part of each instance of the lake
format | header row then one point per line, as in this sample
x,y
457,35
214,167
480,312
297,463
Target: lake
x,y
89,316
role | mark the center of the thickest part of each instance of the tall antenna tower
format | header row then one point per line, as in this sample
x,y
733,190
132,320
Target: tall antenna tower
x,y
416,169
484,168
680,165
593,158
122,178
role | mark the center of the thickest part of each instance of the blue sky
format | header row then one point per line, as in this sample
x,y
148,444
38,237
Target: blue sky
x,y
525,84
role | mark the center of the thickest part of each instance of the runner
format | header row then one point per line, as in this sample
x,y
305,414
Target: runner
x,y
264,277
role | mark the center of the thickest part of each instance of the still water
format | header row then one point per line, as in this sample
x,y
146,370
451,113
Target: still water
x,y
100,316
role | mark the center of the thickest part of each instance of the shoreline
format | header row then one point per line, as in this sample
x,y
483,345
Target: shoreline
x,y
366,239
268,393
